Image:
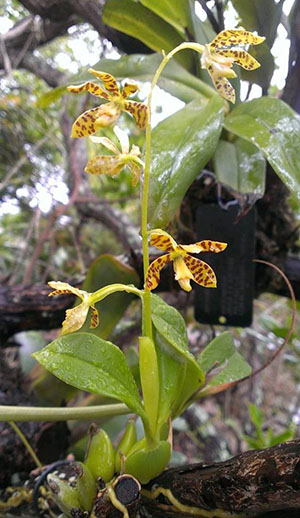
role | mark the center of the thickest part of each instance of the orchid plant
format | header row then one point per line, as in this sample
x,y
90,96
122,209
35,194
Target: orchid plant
x,y
171,377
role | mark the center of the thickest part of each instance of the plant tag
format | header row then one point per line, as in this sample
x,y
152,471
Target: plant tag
x,y
231,303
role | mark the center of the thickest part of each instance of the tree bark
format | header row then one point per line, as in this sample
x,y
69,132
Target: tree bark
x,y
252,484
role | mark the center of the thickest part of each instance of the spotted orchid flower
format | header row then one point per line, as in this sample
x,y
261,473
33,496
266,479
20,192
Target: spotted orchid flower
x,y
113,164
106,114
75,317
186,267
219,56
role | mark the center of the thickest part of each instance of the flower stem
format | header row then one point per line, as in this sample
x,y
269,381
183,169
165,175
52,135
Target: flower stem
x,y
208,92
27,413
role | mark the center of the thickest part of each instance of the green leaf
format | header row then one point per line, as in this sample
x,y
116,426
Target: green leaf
x,y
181,146
217,351
236,368
175,79
274,128
175,13
259,16
256,416
180,375
92,364
241,166
171,325
51,96
107,269
141,23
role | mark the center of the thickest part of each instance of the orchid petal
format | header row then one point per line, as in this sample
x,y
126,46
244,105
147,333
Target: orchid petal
x,y
105,164
90,87
88,122
63,287
75,318
94,317
222,85
205,246
235,37
202,273
123,139
106,142
162,240
139,111
129,88
108,80
153,272
241,57
135,170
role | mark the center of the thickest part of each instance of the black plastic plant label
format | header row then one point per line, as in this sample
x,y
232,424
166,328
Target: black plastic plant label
x,y
231,303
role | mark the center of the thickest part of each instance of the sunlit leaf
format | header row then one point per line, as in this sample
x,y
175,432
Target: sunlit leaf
x,y
175,13
141,23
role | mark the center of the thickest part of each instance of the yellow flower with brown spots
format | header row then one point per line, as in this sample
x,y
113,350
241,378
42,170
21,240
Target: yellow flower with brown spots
x,y
219,56
114,164
75,317
106,114
186,267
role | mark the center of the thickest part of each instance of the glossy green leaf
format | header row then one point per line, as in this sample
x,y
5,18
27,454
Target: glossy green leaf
x,y
107,269
89,363
171,325
217,351
259,16
175,79
180,375
141,23
175,13
181,146
274,128
241,166
237,368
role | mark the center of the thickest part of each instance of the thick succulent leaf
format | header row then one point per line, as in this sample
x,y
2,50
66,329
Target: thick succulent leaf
x,y
136,20
274,128
180,375
217,351
175,13
181,146
92,364
175,79
241,166
107,269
